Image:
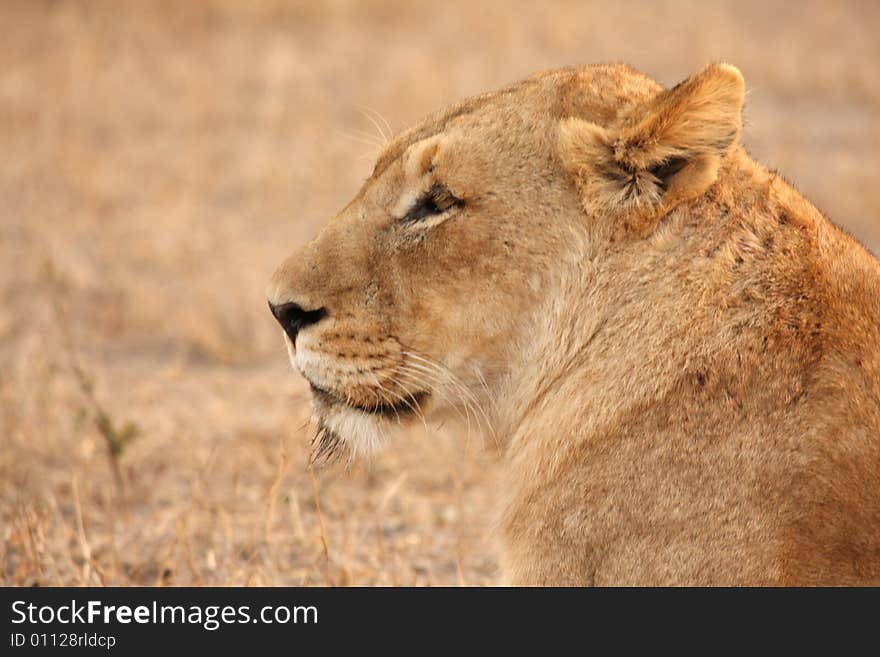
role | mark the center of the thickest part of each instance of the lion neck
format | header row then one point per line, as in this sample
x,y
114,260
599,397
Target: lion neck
x,y
628,321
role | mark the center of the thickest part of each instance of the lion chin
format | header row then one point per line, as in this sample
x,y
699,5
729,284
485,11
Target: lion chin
x,y
344,430
344,427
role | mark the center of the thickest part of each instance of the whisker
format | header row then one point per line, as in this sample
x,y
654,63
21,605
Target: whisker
x,y
362,138
413,407
435,374
415,367
435,385
489,398
464,390
370,113
467,391
379,399
420,382
385,121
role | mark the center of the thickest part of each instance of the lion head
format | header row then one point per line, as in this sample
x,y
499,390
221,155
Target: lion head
x,y
433,289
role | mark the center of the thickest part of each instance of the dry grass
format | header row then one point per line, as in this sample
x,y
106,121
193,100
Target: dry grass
x,y
158,160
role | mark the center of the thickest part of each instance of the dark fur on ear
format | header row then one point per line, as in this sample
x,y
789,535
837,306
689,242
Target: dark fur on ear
x,y
661,153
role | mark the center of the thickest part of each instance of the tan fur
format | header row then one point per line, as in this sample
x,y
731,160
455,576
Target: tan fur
x,y
677,354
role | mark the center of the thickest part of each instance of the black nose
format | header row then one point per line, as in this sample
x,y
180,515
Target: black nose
x,y
293,318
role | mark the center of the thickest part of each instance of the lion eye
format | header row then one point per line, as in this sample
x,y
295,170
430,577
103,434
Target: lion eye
x,y
436,200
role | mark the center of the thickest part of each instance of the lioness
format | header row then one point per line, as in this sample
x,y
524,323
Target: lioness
x,y
677,354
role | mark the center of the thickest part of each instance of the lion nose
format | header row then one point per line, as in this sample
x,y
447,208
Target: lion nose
x,y
293,318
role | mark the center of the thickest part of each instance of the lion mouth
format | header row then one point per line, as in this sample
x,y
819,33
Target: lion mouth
x,y
409,404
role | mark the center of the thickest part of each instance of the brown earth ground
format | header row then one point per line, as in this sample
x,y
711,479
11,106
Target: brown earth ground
x,y
157,160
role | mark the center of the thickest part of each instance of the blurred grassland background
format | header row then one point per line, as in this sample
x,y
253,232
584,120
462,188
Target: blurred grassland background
x,y
159,159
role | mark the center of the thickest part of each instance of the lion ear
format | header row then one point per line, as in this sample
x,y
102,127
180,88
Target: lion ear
x,y
660,153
